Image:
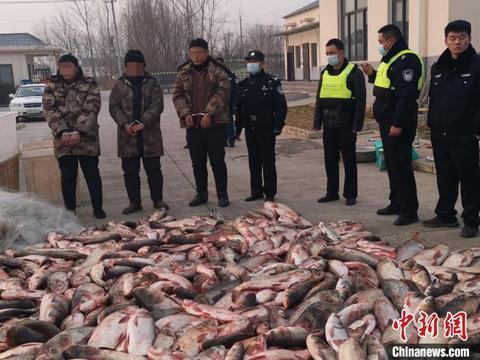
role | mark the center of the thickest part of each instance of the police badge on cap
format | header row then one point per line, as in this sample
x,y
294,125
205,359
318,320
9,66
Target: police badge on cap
x,y
255,55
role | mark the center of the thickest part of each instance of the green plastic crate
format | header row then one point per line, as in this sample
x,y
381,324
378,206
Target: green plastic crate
x,y
380,158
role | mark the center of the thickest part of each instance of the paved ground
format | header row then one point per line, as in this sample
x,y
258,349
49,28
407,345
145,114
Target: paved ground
x,y
301,182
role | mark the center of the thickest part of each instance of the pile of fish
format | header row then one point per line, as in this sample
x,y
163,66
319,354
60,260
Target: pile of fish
x,y
267,285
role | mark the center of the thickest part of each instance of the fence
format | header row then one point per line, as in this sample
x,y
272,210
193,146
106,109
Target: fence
x,y
165,79
274,64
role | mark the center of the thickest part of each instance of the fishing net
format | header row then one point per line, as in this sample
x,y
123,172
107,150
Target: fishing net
x,y
25,220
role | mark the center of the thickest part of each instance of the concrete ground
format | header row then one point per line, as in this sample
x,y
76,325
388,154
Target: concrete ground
x,y
301,180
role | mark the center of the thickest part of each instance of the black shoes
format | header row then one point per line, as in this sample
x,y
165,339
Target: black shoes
x,y
350,202
253,198
437,222
159,204
389,210
404,221
98,213
131,208
469,231
328,198
199,199
270,198
223,200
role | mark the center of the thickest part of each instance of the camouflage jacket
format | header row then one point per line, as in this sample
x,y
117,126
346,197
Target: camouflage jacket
x,y
218,93
121,110
74,106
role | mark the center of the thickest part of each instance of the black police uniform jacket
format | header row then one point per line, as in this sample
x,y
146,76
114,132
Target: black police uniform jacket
x,y
455,94
261,95
398,105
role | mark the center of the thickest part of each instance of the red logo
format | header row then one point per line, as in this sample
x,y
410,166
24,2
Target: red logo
x,y
456,325
402,323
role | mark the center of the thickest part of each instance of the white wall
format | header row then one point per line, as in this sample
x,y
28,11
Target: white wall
x,y
467,10
329,26
378,15
313,13
8,136
19,65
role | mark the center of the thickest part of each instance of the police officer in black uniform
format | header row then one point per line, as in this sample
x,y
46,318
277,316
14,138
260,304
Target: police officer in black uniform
x,y
262,109
398,82
454,121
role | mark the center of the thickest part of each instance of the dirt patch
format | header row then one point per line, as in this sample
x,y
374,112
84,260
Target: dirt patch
x,y
302,116
295,146
423,130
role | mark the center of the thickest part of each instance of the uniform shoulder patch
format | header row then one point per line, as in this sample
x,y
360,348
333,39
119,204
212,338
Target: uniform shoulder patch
x,y
408,75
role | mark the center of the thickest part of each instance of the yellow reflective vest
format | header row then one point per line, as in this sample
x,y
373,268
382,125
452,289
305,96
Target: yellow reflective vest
x,y
382,80
335,86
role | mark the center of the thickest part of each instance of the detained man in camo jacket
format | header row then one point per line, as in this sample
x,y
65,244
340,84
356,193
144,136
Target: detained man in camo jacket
x,y
136,103
71,104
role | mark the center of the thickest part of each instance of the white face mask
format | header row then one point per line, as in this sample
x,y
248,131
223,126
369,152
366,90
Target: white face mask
x,y
333,60
253,68
382,50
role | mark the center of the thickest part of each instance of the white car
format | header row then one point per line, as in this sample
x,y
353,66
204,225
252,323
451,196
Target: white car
x,y
27,102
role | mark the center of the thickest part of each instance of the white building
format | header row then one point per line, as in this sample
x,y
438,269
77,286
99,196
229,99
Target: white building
x,y
356,22
17,58
301,43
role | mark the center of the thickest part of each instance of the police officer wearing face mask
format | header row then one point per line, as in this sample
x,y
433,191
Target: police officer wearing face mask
x,y
261,110
340,108
397,85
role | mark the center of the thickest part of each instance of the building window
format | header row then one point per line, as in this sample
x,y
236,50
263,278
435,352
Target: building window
x,y
314,55
354,28
400,16
298,62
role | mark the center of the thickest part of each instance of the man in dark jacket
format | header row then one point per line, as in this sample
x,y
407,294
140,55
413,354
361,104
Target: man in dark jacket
x,y
136,103
261,110
454,120
71,103
201,93
397,85
340,108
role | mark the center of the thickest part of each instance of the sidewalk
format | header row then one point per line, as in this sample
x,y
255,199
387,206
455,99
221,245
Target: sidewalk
x,y
301,180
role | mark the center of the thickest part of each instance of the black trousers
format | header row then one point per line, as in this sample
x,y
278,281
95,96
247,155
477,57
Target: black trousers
x,y
69,170
398,161
457,161
131,175
335,141
203,144
261,158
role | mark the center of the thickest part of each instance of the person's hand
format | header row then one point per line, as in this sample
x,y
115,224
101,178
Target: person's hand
x,y
395,131
65,139
188,121
477,137
129,129
206,121
74,138
367,69
138,127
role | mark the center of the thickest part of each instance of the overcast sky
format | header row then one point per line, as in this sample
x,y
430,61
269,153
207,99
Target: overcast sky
x,y
21,18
